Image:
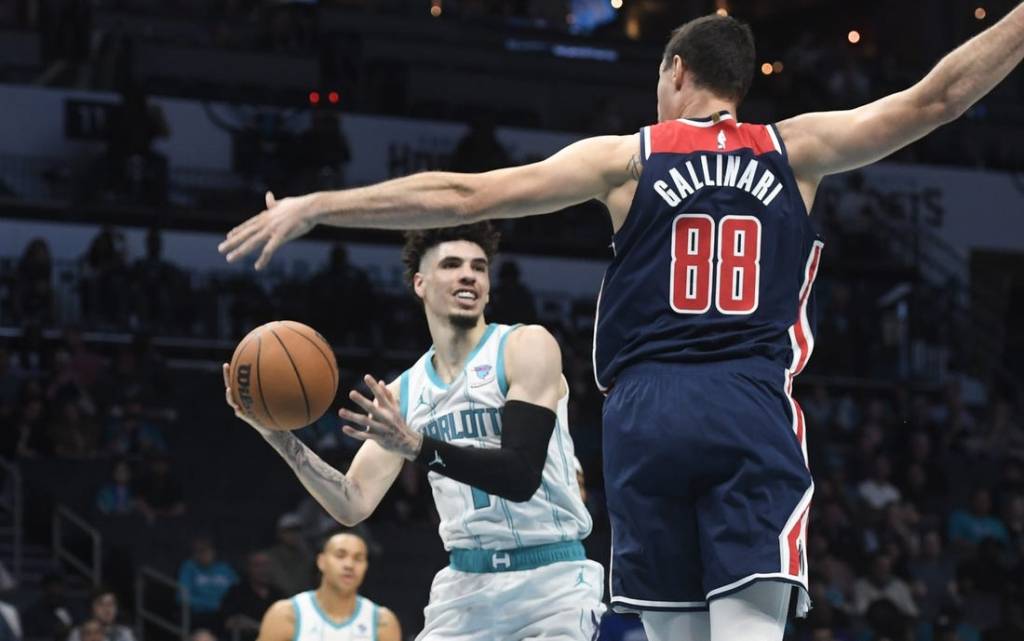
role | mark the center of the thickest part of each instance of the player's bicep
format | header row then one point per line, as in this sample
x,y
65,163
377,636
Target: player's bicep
x,y
584,170
533,366
824,143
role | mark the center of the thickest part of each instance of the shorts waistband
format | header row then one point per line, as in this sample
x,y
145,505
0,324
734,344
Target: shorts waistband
x,y
516,559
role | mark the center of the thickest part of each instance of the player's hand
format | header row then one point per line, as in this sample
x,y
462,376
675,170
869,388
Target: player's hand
x,y
234,406
281,221
383,421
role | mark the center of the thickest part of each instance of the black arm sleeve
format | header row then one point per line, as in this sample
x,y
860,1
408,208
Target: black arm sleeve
x,y
512,472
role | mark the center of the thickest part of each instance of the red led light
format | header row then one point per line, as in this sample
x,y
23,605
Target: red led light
x,y
314,97
334,97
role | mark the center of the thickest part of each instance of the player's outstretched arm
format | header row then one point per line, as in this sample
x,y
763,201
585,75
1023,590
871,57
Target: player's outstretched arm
x,y
533,365
388,627
587,169
825,143
278,623
349,498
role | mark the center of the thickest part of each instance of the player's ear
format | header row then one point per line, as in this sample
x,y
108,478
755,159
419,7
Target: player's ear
x,y
320,562
417,284
679,70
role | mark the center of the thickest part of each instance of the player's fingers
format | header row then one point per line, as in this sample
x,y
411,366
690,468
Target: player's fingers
x,y
270,200
268,251
246,226
363,420
227,377
362,401
387,393
356,434
250,245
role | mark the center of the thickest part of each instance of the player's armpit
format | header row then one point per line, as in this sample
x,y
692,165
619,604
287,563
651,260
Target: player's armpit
x,y
585,170
388,627
278,623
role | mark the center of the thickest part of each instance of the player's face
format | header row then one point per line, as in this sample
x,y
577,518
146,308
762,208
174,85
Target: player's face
x,y
343,562
454,282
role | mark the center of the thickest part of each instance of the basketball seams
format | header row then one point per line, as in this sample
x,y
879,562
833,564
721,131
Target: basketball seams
x,y
259,382
331,364
302,386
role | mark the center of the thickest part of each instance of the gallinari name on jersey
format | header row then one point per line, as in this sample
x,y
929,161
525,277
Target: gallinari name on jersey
x,y
726,174
479,422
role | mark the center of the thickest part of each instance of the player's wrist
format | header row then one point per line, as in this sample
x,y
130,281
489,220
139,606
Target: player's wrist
x,y
414,446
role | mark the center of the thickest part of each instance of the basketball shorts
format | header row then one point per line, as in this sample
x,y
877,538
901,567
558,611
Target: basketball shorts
x,y
707,484
556,602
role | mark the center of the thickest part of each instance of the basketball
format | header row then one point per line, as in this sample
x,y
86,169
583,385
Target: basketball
x,y
283,375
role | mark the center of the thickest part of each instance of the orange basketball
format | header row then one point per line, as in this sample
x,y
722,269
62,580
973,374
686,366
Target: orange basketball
x,y
283,375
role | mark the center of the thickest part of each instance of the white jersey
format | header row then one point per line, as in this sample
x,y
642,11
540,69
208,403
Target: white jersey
x,y
468,413
311,624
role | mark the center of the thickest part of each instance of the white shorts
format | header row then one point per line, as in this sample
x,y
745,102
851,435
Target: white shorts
x,y
560,601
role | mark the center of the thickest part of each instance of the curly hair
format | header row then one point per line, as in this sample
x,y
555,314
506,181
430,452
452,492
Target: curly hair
x,y
420,241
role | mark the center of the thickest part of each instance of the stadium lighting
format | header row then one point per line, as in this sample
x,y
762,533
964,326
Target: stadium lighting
x,y
777,66
722,11
435,8
767,69
980,13
853,36
333,97
616,4
314,97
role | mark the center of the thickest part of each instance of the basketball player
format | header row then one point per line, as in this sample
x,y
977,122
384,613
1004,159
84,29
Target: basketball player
x,y
485,411
334,611
705,314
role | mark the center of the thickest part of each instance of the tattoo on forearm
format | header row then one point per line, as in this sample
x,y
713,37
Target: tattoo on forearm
x,y
635,167
332,489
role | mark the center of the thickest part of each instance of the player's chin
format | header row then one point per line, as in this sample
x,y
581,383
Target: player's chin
x,y
464,319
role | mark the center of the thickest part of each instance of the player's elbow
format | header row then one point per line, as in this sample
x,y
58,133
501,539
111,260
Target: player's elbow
x,y
525,487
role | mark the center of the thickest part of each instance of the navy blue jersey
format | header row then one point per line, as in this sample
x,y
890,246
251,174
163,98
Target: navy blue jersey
x,y
716,258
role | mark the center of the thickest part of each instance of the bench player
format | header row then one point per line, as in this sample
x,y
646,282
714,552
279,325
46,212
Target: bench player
x,y
485,411
705,314
334,611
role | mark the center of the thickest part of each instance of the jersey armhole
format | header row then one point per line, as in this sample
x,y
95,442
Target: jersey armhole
x,y
403,395
776,137
645,142
376,620
298,616
502,378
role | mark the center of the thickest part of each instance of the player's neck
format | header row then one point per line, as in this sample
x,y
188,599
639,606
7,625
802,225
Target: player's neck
x,y
337,605
452,346
703,105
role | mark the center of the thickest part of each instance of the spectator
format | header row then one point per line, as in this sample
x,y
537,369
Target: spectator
x,y
202,634
103,280
970,528
73,436
161,289
934,577
877,491
33,286
159,493
130,434
883,585
340,280
104,613
479,150
52,614
246,602
322,153
116,497
511,300
205,580
292,565
86,364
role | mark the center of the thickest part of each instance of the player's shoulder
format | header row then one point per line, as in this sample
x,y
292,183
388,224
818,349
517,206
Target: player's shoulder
x,y
279,622
388,627
683,136
530,337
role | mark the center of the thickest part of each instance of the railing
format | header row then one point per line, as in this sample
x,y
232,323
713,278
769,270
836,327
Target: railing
x,y
62,518
144,616
12,501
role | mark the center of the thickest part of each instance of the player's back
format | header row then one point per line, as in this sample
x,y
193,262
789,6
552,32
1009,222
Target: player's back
x,y
716,257
467,413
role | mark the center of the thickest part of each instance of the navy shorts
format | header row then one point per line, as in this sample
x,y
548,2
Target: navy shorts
x,y
707,483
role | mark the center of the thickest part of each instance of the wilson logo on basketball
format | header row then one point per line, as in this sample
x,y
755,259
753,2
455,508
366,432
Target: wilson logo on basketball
x,y
244,397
